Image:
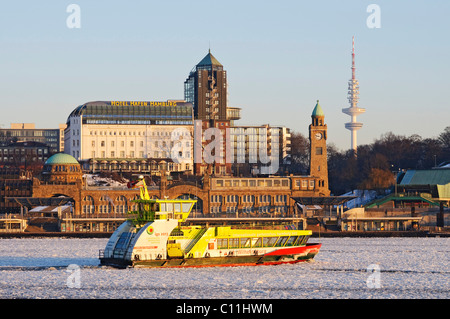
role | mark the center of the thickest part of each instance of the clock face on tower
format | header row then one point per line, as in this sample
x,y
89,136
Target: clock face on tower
x,y
318,136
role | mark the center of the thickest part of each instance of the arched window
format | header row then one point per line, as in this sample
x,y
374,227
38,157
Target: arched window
x,y
88,206
121,205
106,205
134,206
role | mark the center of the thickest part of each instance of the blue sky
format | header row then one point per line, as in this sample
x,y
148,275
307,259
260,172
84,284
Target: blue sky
x,y
281,56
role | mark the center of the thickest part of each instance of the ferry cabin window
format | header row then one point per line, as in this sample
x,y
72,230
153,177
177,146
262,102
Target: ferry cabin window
x,y
305,239
269,241
299,240
281,241
291,241
222,243
256,242
245,242
234,243
186,207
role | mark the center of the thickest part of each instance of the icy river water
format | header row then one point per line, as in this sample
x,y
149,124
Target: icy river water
x,y
357,268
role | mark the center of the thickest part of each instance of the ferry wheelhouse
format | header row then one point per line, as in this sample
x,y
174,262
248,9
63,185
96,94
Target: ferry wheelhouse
x,y
158,236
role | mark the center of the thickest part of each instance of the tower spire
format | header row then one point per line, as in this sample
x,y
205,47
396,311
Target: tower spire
x,y
353,58
353,97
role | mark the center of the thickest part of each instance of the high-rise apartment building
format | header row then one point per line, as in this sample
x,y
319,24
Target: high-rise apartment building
x,y
206,89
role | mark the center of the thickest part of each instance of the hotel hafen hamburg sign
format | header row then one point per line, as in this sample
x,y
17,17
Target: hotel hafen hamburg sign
x,y
141,103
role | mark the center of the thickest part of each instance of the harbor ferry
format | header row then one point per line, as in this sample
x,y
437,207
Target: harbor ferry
x,y
158,236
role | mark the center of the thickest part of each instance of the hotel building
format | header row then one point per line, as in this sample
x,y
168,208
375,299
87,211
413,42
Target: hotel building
x,y
135,136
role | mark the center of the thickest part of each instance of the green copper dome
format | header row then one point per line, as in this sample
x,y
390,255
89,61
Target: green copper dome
x,y
61,158
318,110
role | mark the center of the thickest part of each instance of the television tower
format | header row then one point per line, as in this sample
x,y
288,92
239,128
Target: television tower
x,y
353,97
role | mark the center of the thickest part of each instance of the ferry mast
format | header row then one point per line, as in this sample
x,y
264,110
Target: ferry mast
x,y
353,97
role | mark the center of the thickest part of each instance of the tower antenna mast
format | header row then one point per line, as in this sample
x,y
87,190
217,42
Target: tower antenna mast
x,y
353,97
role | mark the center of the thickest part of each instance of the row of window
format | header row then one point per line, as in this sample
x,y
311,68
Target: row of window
x,y
22,151
259,242
304,183
175,132
155,154
137,122
141,143
248,198
270,182
249,209
28,132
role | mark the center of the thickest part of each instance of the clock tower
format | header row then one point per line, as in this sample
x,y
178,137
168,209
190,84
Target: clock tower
x,y
318,150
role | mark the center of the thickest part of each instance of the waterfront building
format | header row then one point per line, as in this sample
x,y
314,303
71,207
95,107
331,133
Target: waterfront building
x,y
27,132
215,194
25,155
263,149
14,182
207,89
131,136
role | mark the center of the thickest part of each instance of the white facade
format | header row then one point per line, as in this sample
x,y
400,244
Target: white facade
x,y
115,143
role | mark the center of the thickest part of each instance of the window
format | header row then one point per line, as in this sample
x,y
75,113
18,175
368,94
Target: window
x,y
222,243
256,242
281,241
245,242
291,241
269,241
318,151
234,243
